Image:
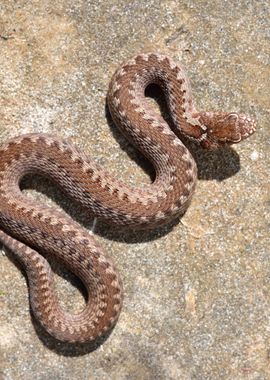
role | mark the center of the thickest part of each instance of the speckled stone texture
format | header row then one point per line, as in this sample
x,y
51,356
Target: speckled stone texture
x,y
197,293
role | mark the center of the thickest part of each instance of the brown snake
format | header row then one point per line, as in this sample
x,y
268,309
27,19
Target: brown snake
x,y
32,230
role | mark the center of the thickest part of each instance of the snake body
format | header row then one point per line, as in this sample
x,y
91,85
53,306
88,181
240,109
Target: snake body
x,y
32,230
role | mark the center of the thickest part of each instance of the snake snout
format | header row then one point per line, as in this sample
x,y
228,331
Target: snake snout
x,y
247,125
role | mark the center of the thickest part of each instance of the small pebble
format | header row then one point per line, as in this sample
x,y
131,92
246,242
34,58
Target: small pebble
x,y
254,155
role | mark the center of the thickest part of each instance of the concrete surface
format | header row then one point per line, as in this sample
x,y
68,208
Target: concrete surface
x,y
197,293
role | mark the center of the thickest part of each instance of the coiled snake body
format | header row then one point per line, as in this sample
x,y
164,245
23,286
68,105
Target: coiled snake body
x,y
30,229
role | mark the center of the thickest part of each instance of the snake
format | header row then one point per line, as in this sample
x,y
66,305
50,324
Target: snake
x,y
35,232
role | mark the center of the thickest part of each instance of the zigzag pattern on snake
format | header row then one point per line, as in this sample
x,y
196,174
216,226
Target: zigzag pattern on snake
x,y
31,230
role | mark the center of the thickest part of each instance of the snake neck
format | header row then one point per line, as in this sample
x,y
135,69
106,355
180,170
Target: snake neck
x,y
146,129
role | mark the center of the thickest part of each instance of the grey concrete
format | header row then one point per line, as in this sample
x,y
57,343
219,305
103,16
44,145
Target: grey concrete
x,y
196,292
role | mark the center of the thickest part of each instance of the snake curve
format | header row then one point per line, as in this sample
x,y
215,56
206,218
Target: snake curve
x,y
32,230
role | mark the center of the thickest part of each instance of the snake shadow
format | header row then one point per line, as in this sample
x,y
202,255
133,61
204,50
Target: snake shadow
x,y
212,165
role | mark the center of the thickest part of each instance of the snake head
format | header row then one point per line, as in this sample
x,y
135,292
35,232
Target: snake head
x,y
225,128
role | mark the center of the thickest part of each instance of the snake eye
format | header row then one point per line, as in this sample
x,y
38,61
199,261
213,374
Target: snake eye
x,y
233,117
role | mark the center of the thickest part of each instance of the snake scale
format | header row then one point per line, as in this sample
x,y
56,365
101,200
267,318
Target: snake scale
x,y
31,230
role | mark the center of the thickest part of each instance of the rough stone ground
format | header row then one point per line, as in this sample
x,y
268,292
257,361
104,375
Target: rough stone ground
x,y
197,302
